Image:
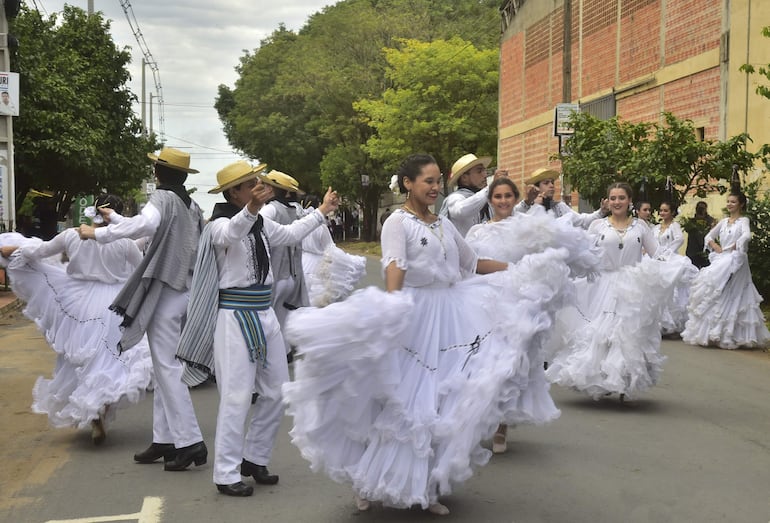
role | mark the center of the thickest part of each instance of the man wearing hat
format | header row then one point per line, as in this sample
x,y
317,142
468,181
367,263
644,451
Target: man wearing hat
x,y
540,191
289,288
232,329
468,205
154,300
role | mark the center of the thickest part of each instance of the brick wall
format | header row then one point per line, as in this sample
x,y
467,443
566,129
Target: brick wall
x,y
639,39
642,107
690,28
511,76
696,98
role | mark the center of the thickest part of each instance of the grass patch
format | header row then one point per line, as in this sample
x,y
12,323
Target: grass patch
x,y
361,248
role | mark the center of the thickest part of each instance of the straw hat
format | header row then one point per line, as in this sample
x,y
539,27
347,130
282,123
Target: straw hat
x,y
466,163
235,174
541,174
174,159
282,181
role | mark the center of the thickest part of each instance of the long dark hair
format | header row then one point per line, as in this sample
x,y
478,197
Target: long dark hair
x,y
411,168
109,201
503,181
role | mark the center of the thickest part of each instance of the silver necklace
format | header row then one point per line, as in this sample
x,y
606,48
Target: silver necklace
x,y
620,232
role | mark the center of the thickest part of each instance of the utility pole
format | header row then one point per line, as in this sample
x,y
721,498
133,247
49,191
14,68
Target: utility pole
x,y
151,97
144,120
7,173
90,7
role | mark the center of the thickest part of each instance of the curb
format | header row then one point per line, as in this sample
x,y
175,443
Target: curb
x,y
12,309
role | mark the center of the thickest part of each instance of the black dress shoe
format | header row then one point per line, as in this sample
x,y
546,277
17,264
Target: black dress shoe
x,y
154,452
259,472
186,455
239,489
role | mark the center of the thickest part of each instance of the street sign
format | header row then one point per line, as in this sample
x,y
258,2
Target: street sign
x,y
561,116
78,209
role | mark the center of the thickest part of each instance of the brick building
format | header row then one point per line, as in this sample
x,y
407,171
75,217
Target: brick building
x,y
630,58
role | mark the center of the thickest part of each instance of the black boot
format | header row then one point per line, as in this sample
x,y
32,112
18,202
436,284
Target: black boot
x,y
239,489
154,452
259,472
185,456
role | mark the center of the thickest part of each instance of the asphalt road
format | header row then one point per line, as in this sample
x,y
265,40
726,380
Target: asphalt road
x,y
695,449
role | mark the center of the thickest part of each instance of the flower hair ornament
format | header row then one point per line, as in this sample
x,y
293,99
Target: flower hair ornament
x,y
95,216
90,212
394,184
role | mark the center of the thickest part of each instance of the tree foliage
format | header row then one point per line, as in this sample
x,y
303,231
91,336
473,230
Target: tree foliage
x,y
293,103
656,157
758,212
77,132
762,70
433,105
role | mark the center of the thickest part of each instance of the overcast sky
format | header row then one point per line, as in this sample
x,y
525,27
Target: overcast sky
x,y
197,44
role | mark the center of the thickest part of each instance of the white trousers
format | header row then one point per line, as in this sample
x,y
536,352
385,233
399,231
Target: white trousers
x,y
243,430
173,415
282,289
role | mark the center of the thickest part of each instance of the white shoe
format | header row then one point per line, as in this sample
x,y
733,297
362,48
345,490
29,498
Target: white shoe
x,y
499,444
438,509
363,504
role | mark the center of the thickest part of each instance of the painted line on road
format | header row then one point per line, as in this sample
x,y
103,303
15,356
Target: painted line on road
x,y
152,510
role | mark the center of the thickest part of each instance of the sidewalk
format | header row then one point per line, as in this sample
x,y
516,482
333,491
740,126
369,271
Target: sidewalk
x,y
9,303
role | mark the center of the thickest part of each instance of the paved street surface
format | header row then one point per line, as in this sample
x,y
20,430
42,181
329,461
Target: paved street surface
x,y
695,449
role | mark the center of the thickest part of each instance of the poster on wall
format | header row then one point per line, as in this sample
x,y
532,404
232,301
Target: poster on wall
x,y
9,94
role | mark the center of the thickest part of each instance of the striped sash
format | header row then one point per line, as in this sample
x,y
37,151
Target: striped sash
x,y
245,304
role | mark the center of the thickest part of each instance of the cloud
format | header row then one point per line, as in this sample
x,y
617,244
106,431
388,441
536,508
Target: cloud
x,y
196,45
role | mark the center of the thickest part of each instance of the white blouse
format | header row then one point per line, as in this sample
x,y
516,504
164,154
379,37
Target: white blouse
x,y
622,248
670,240
89,260
730,235
431,254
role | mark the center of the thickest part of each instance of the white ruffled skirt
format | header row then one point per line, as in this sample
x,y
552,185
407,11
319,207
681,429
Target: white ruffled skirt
x,y
724,306
610,342
674,314
90,374
394,392
331,276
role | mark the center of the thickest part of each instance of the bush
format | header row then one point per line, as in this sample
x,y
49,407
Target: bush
x,y
758,212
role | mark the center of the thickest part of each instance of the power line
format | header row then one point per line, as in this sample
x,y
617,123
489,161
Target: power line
x,y
34,3
149,60
205,146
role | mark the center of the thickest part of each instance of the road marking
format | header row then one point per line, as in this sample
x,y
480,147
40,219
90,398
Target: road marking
x,y
152,509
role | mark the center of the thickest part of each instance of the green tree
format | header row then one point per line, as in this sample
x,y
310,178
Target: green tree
x,y
293,103
442,100
77,132
758,212
653,154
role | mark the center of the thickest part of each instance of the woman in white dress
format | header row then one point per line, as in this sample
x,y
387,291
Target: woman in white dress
x,y
724,304
510,237
670,238
613,343
331,274
69,303
397,395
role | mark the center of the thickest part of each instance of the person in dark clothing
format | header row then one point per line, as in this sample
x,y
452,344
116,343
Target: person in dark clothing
x,y
697,228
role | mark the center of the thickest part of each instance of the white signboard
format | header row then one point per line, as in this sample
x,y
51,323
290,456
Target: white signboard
x,y
9,94
561,115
